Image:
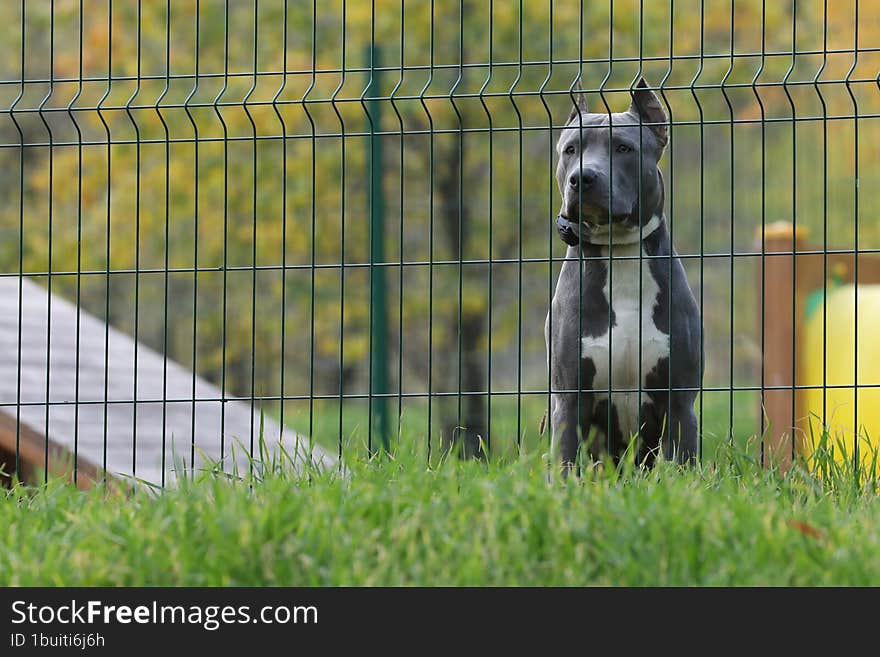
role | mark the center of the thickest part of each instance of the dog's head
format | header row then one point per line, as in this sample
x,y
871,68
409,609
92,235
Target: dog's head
x,y
607,169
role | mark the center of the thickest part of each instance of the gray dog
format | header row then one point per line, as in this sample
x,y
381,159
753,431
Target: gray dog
x,y
623,317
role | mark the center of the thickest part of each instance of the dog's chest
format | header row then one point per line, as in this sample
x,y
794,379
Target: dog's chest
x,y
624,355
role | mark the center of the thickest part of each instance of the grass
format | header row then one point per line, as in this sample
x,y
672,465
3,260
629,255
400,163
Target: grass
x,y
511,415
396,521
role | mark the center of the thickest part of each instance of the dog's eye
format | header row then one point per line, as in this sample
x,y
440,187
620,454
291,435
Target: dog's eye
x,y
570,149
623,148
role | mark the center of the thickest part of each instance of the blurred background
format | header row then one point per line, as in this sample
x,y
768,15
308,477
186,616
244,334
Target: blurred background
x,y
216,159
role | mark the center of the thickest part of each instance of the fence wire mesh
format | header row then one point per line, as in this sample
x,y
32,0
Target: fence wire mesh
x,y
334,224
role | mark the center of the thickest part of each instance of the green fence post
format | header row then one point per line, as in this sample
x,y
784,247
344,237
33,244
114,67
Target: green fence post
x,y
378,310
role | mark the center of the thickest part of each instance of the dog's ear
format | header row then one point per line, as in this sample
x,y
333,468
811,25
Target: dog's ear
x,y
579,106
646,105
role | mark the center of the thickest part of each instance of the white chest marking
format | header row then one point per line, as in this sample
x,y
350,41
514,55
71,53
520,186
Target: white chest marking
x,y
633,307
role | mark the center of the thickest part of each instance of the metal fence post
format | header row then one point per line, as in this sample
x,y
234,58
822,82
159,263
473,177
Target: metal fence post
x,y
378,312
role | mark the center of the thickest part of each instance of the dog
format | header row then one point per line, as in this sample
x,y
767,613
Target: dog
x,y
623,317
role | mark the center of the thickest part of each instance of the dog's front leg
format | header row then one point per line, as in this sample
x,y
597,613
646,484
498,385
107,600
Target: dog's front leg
x,y
681,441
565,422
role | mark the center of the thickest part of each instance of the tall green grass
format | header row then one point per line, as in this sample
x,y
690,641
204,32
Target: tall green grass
x,y
395,520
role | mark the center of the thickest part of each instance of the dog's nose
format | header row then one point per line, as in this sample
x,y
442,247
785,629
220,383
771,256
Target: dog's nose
x,y
583,179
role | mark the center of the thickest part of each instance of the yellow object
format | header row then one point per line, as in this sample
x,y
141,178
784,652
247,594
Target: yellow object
x,y
781,229
840,366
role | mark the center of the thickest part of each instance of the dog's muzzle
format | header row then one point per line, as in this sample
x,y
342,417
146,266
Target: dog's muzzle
x,y
568,231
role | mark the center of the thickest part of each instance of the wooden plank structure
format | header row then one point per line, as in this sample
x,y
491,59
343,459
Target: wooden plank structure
x,y
793,269
145,427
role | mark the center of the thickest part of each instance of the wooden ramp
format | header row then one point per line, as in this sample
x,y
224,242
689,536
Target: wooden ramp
x,y
148,427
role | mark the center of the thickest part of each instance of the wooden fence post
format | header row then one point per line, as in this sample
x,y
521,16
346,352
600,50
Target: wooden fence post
x,y
777,318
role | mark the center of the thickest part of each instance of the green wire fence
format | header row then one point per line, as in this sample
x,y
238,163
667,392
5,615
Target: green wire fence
x,y
229,224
